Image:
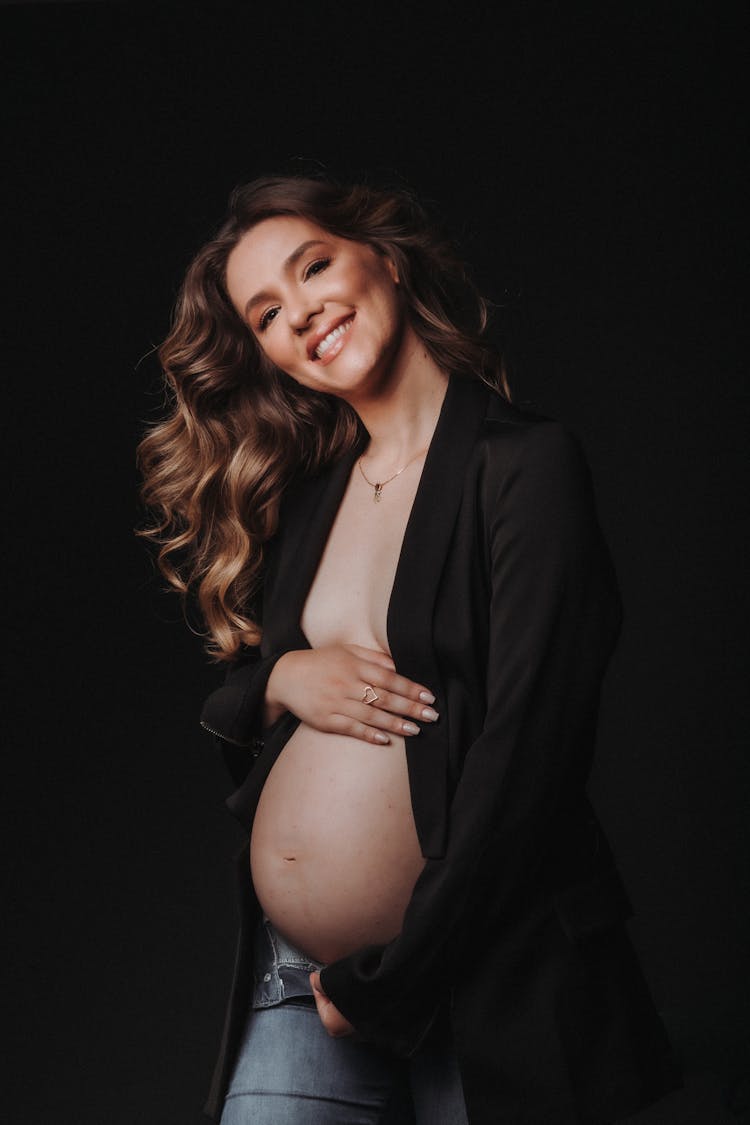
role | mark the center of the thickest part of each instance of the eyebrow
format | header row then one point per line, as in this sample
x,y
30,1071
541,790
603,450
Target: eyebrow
x,y
289,264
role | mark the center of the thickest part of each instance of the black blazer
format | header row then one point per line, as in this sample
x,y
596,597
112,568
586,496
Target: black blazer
x,y
506,604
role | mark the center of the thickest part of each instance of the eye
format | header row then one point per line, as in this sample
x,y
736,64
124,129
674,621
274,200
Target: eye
x,y
317,267
265,320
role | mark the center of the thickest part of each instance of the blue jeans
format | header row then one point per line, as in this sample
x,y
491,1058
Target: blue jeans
x,y
289,1071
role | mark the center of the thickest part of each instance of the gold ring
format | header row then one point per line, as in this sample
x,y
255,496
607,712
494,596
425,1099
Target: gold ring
x,y
369,695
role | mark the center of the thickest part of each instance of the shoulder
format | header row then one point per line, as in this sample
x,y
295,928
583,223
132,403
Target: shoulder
x,y
501,430
530,476
516,441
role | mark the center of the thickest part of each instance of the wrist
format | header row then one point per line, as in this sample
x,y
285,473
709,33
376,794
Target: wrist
x,y
273,702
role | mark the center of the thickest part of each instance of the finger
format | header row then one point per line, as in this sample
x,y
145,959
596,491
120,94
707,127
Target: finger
x,y
338,1027
335,1023
373,656
404,708
320,1003
403,711
384,720
354,728
396,685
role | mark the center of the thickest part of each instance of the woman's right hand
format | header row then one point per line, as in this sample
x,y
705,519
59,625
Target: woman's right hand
x,y
325,688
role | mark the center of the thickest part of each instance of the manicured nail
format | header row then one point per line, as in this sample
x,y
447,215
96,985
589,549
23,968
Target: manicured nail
x,y
426,697
430,714
383,739
410,728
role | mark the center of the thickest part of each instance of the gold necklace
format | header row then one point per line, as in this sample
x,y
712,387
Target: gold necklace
x,y
380,485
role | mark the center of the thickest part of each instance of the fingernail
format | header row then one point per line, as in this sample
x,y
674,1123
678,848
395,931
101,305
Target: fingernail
x,y
430,714
426,697
410,728
383,739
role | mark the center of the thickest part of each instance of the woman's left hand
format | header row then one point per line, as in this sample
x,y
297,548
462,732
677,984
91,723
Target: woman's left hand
x,y
335,1024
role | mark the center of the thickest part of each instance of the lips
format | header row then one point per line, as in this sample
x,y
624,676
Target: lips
x,y
324,342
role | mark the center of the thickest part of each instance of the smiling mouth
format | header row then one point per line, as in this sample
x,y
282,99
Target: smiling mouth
x,y
333,336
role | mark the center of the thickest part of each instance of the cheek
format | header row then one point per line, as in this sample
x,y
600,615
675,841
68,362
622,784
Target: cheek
x,y
274,349
390,311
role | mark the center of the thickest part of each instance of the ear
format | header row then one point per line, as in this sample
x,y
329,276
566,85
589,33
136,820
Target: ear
x,y
392,270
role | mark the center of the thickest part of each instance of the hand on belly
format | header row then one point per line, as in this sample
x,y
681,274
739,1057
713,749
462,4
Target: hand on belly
x,y
334,851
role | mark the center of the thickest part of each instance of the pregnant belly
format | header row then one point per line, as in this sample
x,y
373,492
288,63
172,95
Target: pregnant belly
x,y
334,852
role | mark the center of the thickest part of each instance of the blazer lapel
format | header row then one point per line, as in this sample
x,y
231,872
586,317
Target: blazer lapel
x,y
410,613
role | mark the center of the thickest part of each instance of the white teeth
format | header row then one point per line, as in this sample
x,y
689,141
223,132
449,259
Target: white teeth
x,y
331,338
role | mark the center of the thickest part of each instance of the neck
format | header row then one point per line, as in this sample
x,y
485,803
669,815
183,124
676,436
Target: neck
x,y
401,417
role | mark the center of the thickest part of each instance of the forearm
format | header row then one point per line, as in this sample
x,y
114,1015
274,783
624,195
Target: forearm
x,y
236,711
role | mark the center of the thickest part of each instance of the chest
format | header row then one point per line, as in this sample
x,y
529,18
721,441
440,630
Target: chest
x,y
350,594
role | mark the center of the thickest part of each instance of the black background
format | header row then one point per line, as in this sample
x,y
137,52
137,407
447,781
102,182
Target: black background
x,y
586,158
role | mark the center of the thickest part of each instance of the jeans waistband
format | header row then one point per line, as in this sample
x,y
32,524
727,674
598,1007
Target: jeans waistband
x,y
281,971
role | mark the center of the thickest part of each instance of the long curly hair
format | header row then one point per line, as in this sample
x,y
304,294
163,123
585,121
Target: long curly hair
x,y
238,429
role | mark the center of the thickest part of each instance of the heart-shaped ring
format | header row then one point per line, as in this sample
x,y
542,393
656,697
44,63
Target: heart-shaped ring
x,y
369,695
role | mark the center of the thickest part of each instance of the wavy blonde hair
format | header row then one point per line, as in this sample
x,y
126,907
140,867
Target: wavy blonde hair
x,y
238,429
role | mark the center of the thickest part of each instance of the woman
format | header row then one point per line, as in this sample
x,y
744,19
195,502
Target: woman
x,y
406,576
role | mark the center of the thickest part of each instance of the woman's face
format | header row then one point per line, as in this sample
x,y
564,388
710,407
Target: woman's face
x,y
324,309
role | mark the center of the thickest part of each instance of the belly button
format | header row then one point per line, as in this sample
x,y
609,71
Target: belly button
x,y
290,858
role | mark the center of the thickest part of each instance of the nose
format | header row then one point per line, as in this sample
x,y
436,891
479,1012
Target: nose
x,y
302,310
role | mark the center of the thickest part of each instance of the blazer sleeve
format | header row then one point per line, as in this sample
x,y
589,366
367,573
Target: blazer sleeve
x,y
554,616
233,713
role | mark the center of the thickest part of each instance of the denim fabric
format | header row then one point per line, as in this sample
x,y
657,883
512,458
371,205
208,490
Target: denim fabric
x,y
289,1071
281,971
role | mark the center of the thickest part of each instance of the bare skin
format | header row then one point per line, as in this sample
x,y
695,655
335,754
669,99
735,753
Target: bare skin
x,y
334,851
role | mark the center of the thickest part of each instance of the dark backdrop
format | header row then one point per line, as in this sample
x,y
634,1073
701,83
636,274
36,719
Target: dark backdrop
x,y
587,163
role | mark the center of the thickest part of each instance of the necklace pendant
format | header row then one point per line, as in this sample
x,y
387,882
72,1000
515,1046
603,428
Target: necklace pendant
x,y
378,493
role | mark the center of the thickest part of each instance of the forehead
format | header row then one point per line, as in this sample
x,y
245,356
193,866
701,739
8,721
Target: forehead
x,y
281,233
262,251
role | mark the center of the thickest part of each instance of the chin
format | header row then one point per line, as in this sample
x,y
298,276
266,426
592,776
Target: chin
x,y
348,384
369,375
352,376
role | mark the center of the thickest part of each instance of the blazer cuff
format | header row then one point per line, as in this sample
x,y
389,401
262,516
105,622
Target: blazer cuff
x,y
394,1026
234,712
